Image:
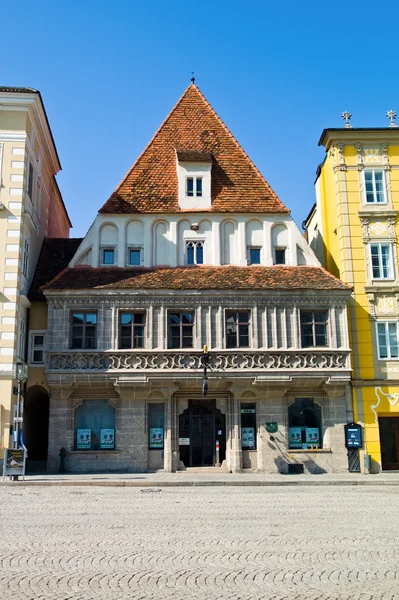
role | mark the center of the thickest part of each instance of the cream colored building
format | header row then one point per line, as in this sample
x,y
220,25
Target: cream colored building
x,y
31,208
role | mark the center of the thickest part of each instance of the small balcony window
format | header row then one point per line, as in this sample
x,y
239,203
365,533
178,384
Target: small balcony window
x,y
314,328
237,329
83,330
131,330
181,329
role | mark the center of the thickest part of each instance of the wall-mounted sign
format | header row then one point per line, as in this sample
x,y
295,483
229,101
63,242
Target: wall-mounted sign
x,y
245,411
107,438
312,436
83,439
14,462
248,437
184,441
271,427
353,435
156,437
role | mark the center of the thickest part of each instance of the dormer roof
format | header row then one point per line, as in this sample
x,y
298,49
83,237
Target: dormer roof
x,y
193,129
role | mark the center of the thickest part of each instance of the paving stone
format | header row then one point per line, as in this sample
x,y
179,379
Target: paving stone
x,y
225,543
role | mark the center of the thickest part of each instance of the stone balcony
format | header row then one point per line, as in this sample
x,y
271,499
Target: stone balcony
x,y
180,362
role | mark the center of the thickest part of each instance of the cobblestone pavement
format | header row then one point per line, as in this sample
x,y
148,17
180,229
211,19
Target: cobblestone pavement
x,y
210,543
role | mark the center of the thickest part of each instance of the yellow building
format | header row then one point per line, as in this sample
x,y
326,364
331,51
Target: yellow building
x,y
31,208
353,230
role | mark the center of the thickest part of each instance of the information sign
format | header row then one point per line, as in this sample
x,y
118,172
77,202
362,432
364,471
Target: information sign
x,y
246,411
272,427
312,436
83,439
353,435
248,437
14,461
156,437
107,439
184,441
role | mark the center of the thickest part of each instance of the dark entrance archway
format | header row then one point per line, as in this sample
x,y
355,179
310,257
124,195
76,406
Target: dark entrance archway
x,y
200,425
35,428
389,440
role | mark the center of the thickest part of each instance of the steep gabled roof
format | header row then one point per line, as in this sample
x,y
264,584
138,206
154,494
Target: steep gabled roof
x,y
55,255
197,278
192,126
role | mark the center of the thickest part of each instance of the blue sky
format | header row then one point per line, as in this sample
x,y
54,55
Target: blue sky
x,y
277,73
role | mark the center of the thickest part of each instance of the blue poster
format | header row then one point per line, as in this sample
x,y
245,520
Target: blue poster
x,y
107,439
83,439
295,437
312,436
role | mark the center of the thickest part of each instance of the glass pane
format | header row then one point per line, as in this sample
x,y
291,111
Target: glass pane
x,y
307,336
199,186
77,318
174,318
156,421
90,337
243,317
393,340
138,336
38,356
38,340
254,256
200,254
320,317
135,257
126,318
139,318
385,259
321,335
190,254
306,317
91,318
175,337
95,425
231,341
190,186
382,340
280,257
188,317
243,336
108,257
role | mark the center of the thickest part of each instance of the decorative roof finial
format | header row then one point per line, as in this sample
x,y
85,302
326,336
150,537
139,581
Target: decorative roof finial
x,y
391,114
192,78
347,117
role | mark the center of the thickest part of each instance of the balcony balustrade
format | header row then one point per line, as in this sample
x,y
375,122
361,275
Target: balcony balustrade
x,y
227,361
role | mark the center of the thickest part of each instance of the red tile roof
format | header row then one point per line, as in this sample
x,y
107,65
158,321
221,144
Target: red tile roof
x,y
197,278
55,255
151,185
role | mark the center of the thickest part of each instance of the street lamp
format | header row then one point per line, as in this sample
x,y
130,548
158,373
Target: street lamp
x,y
21,375
205,358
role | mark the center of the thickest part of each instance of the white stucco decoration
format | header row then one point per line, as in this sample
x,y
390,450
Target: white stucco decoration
x,y
393,399
372,155
378,228
385,305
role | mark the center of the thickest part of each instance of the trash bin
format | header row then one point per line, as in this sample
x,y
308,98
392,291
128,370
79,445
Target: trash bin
x,y
295,468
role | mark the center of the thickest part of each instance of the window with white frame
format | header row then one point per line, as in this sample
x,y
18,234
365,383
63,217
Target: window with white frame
x,y
194,186
195,252
387,339
374,183
135,256
381,261
37,347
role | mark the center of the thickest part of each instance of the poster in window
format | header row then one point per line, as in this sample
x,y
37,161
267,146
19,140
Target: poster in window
x,y
295,437
83,439
312,436
156,437
107,438
248,437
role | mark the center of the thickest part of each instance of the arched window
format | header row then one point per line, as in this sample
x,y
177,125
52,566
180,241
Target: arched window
x,y
280,244
195,253
304,424
95,425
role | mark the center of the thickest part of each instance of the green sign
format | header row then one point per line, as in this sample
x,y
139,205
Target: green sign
x,y
272,427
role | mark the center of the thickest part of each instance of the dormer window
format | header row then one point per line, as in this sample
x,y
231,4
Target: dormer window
x,y
194,186
195,253
107,256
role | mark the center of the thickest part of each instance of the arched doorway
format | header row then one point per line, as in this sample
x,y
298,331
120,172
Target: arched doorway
x,y
35,428
200,426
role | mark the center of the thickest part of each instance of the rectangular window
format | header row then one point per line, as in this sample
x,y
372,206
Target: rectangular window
x,y
248,426
304,425
30,181
156,420
131,330
387,337
37,348
381,261
253,255
95,425
375,187
134,256
314,328
195,253
107,256
279,256
21,340
237,329
181,329
25,260
83,330
194,186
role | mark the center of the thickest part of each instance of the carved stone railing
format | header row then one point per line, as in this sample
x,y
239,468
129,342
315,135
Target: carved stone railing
x,y
226,361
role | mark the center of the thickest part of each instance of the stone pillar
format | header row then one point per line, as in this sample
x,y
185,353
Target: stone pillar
x,y
171,433
60,424
235,462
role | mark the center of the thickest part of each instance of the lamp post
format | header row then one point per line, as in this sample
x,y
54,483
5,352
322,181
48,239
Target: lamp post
x,y
21,375
205,358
